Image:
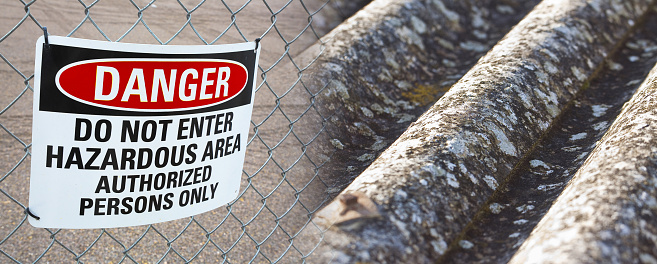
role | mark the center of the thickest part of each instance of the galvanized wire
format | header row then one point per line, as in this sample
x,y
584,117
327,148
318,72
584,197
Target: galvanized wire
x,y
259,226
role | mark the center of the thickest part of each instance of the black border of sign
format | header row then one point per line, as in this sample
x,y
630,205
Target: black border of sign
x,y
56,56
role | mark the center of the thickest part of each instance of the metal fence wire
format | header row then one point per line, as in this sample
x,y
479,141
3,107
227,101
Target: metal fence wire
x,y
281,183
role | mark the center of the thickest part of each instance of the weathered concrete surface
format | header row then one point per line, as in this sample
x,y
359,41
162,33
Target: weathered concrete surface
x,y
398,56
608,211
432,181
261,233
497,232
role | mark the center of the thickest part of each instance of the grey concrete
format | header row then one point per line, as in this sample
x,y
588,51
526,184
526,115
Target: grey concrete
x,y
433,180
607,212
389,63
248,215
513,212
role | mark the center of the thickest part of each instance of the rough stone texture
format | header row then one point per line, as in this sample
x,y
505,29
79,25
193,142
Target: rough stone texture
x,y
334,12
509,217
608,211
432,181
419,49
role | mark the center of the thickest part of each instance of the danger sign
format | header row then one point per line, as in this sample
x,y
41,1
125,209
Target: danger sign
x,y
132,134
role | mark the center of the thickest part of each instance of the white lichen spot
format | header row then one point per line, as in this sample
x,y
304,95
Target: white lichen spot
x,y
410,37
416,219
578,136
480,34
448,63
496,208
340,89
451,180
478,21
647,259
514,235
541,76
550,54
400,195
582,156
526,101
566,31
550,67
418,25
451,15
390,59
549,187
337,144
403,118
511,115
377,108
401,226
463,168
367,112
601,126
364,255
445,43
623,229
552,109
567,82
466,244
424,182
434,233
451,166
473,179
333,67
456,146
520,222
538,163
503,142
365,157
473,46
364,129
633,58
571,148
491,182
599,110
403,85
379,144
384,76
634,82
614,66
439,246
502,119
524,208
505,9
578,73
434,170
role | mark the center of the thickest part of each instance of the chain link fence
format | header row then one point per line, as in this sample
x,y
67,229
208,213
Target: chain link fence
x,y
281,185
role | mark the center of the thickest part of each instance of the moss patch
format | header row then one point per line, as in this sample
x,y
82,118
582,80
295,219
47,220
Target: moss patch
x,y
425,94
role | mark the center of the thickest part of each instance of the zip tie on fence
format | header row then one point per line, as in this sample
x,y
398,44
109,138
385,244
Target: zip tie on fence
x,y
257,41
45,36
27,210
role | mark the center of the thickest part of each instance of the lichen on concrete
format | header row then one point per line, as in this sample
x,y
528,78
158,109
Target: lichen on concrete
x,y
390,62
607,213
516,209
454,157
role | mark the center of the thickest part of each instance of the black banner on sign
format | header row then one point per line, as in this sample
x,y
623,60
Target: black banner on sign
x,y
56,57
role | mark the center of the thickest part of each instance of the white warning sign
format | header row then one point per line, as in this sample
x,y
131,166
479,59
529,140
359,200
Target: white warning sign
x,y
133,134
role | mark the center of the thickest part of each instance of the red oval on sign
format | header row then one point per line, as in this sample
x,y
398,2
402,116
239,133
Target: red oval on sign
x,y
152,84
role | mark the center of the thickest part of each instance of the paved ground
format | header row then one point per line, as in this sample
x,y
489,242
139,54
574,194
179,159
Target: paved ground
x,y
23,243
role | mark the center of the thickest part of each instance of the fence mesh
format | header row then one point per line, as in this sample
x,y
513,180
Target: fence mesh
x,y
281,184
